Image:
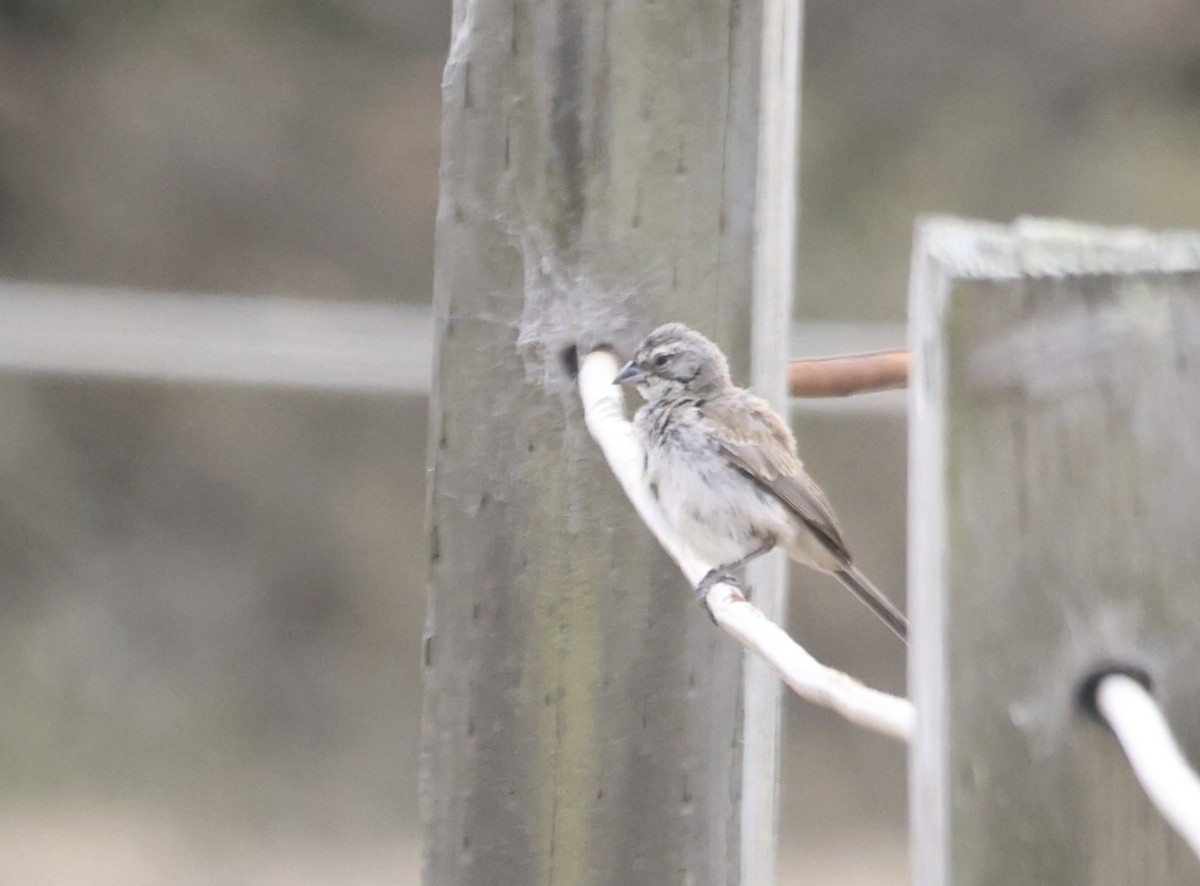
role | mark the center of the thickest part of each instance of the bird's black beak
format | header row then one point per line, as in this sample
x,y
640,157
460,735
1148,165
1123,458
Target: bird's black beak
x,y
630,375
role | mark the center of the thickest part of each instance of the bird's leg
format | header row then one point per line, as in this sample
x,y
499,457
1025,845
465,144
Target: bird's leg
x,y
726,572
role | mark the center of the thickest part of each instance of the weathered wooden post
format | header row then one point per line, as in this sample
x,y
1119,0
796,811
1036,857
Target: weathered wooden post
x,y
1054,514
582,716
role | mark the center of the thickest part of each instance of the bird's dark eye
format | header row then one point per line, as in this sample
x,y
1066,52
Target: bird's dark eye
x,y
660,360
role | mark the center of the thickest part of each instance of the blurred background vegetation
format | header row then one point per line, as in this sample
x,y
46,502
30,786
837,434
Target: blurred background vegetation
x,y
212,598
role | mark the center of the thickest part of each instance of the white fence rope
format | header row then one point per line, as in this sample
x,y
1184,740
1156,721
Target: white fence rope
x,y
604,406
1145,736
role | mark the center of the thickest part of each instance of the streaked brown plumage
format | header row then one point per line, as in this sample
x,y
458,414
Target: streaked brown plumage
x,y
723,467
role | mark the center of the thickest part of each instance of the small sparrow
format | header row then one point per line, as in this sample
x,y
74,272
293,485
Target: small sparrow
x,y
723,467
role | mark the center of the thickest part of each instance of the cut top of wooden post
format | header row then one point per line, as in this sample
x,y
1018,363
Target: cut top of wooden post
x,y
1055,458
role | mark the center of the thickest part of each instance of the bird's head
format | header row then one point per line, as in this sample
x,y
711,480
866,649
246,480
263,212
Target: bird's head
x,y
673,361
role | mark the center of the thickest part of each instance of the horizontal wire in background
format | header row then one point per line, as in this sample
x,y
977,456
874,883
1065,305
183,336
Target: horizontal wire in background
x,y
277,341
244,340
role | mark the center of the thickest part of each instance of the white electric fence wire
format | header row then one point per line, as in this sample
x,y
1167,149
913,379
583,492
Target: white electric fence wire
x,y
1145,736
604,408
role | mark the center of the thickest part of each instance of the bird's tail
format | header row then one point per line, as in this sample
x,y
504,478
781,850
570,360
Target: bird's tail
x,y
850,576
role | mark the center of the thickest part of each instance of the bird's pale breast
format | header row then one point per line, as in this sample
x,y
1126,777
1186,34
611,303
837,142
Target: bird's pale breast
x,y
715,508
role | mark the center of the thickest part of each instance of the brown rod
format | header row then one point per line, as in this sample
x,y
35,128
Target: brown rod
x,y
840,376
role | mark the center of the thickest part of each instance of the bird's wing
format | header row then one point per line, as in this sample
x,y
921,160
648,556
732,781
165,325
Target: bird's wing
x,y
759,444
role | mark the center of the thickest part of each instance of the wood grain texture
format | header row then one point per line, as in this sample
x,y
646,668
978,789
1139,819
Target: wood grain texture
x,y
582,715
1055,447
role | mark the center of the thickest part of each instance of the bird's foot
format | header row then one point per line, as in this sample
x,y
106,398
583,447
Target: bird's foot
x,y
714,577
